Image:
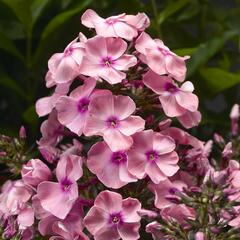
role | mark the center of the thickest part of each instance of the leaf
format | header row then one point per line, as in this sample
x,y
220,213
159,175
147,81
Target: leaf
x,y
30,116
185,51
171,9
207,50
217,80
7,45
9,83
37,8
21,9
60,19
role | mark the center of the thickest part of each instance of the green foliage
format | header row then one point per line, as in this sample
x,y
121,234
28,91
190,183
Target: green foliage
x,y
32,30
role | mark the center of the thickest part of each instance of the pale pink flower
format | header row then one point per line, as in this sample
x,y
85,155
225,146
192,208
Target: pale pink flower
x,y
123,26
59,197
105,58
25,217
159,58
175,101
113,218
64,67
190,119
110,117
34,172
164,189
110,167
73,110
46,104
152,154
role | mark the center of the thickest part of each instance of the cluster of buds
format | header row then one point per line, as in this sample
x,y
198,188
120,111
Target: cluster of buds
x,y
113,165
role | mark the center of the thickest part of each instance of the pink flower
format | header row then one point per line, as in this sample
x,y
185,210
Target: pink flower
x,y
58,198
34,172
123,26
111,217
175,101
64,67
25,217
110,167
164,189
105,58
155,229
159,58
110,117
46,104
199,236
190,119
152,154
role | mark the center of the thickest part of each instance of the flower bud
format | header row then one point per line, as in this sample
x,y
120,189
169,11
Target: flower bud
x,y
34,172
234,115
22,132
199,236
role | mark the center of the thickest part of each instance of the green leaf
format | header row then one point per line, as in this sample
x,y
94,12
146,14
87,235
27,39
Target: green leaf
x,y
9,83
21,8
185,51
217,80
37,8
171,9
7,45
207,50
60,19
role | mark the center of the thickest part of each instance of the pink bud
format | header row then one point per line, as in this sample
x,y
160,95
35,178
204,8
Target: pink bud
x,y
218,138
164,124
199,236
22,132
235,112
34,172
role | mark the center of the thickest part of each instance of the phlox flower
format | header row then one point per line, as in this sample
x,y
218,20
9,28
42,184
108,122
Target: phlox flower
x,y
190,119
152,154
110,167
159,57
64,67
59,197
113,218
105,58
175,101
123,26
110,117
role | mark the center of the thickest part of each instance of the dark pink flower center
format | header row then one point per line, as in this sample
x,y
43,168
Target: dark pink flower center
x,y
172,190
152,156
113,122
107,62
111,21
169,87
83,105
119,157
66,185
115,218
68,51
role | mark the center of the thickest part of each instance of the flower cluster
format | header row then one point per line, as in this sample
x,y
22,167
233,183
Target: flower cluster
x,y
112,164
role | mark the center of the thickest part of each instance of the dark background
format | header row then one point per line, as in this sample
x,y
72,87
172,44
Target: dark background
x,y
32,30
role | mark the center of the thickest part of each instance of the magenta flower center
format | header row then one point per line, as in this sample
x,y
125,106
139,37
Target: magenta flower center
x,y
169,87
113,122
165,52
152,156
119,157
68,51
110,21
172,190
115,218
107,62
83,105
66,185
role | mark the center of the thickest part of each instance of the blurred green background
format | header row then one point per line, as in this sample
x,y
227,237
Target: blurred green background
x,y
32,30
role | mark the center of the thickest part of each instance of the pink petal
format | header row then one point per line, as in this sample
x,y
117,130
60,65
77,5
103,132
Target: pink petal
x,y
171,106
125,62
115,47
190,119
44,106
107,233
96,48
129,231
155,174
163,144
95,220
110,202
54,200
156,82
187,100
111,75
143,141
176,66
143,42
132,125
94,126
45,225
69,166
124,106
89,17
26,217
116,140
54,61
123,30
130,210
124,174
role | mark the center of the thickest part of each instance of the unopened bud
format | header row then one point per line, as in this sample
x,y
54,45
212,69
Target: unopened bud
x,y
199,236
22,132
